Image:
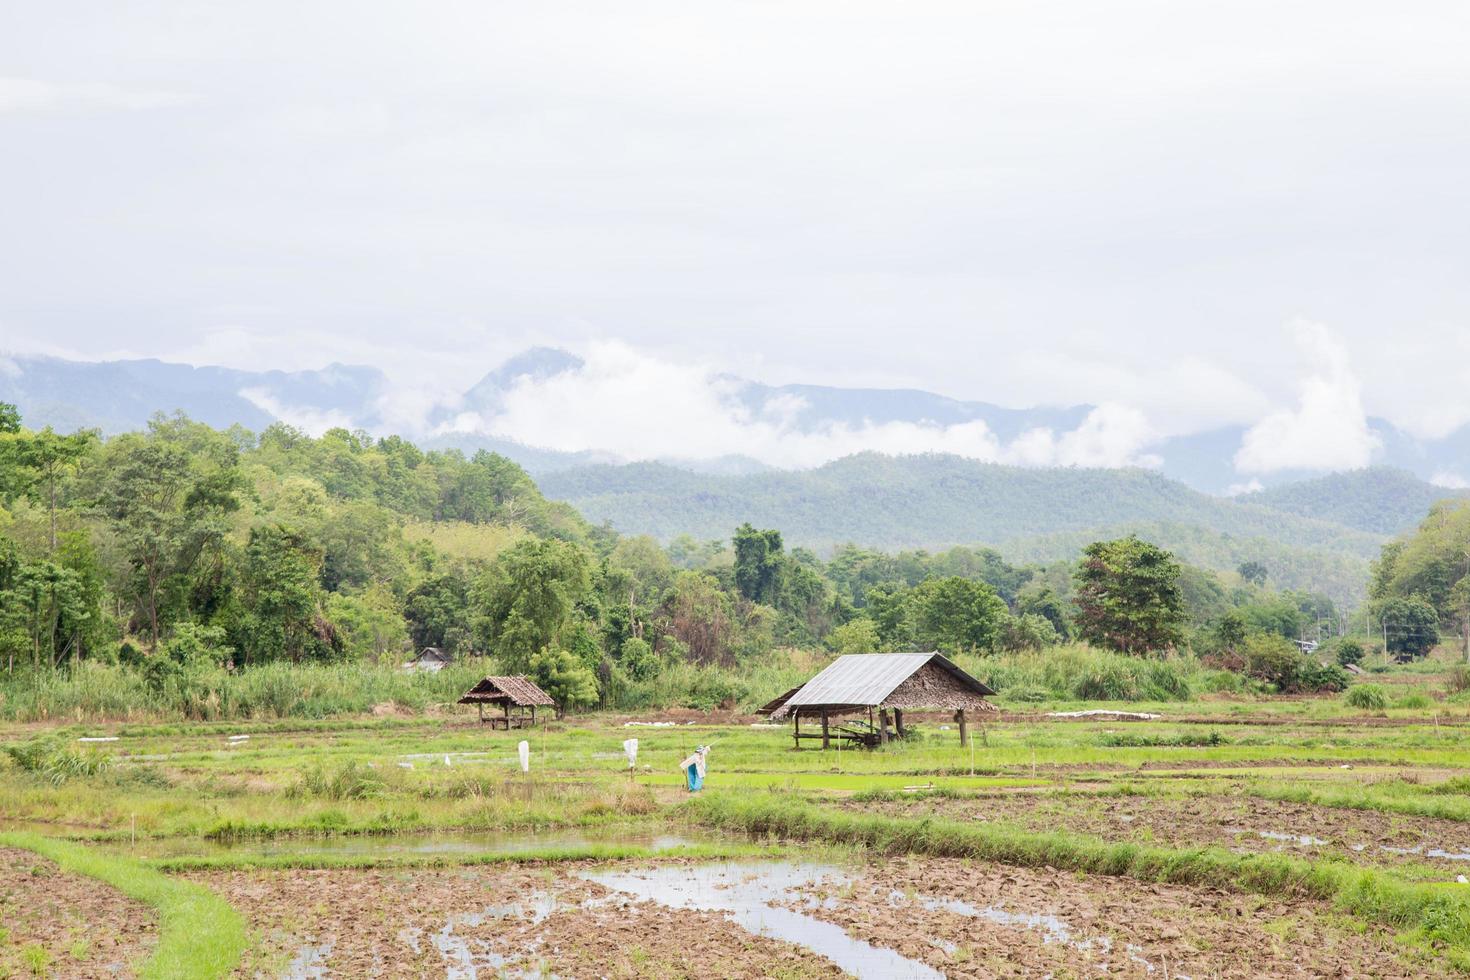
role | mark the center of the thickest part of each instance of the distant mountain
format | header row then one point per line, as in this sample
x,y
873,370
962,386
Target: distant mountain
x,y
121,395
919,501
934,501
1380,499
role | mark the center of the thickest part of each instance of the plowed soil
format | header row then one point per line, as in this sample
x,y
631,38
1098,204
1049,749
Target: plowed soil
x,y
62,925
1229,821
1100,925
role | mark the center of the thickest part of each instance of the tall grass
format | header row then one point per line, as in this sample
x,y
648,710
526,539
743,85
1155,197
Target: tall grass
x,y
199,934
97,691
1082,673
1432,917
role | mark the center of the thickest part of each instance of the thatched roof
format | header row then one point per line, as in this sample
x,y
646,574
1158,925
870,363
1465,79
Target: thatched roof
x,y
519,691
902,680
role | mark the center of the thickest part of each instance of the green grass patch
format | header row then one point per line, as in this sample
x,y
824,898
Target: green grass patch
x,y
199,934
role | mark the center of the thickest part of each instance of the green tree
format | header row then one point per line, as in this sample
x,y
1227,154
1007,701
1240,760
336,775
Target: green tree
x,y
283,598
1411,626
698,614
9,418
49,456
758,564
856,636
438,610
528,596
166,511
1025,632
956,614
560,674
1128,596
1253,572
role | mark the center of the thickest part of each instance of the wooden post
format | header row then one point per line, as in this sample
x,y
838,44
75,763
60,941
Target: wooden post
x,y
826,739
481,706
898,722
959,716
882,726
507,715
796,732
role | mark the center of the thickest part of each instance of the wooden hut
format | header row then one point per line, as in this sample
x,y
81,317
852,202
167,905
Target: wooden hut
x,y
875,684
430,658
508,692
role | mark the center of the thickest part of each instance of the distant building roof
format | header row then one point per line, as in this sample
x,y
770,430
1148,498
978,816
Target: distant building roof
x,y
518,690
861,680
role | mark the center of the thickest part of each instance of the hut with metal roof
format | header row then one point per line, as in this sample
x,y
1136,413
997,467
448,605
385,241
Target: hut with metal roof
x,y
509,692
875,684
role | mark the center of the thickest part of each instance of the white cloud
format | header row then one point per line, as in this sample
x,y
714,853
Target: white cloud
x,y
1327,430
1250,486
34,95
311,420
640,406
1450,481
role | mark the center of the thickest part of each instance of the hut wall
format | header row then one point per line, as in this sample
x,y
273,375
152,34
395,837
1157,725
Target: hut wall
x,y
931,686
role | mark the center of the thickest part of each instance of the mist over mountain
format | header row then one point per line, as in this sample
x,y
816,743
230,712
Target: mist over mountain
x,y
551,410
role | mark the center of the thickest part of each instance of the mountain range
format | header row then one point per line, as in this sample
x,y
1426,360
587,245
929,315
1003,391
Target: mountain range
x,y
1318,533
117,396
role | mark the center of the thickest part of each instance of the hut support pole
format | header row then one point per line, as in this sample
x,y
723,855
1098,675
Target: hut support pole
x,y
898,722
826,739
883,726
959,716
481,706
796,732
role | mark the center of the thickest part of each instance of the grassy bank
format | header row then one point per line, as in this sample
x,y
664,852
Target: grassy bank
x,y
199,935
1429,917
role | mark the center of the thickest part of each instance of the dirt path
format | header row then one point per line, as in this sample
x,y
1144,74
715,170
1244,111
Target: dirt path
x,y
1238,822
972,920
63,925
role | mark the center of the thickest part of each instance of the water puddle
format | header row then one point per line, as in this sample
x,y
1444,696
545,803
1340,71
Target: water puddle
x,y
309,963
1053,929
1306,840
749,894
464,958
373,845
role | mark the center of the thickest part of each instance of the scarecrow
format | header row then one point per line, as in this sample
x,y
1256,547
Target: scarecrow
x,y
694,768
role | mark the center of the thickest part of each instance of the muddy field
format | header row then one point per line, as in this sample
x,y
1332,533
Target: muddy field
x,y
1239,822
910,918
63,925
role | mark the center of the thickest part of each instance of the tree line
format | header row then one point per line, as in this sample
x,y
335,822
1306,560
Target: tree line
x,y
185,545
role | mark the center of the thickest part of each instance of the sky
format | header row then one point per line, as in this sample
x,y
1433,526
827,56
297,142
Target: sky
x,y
1188,214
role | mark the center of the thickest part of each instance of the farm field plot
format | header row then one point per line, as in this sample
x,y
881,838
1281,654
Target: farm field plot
x,y
1297,838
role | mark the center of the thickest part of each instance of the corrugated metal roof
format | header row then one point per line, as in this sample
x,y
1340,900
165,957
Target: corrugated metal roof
x,y
868,678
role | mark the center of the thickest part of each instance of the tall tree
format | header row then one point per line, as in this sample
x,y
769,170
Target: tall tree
x,y
1128,596
48,456
956,614
528,596
758,564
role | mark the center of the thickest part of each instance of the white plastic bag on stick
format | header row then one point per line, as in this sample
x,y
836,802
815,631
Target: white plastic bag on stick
x,y
630,749
525,751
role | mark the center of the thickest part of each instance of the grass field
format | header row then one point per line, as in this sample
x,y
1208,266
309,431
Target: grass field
x,y
1228,837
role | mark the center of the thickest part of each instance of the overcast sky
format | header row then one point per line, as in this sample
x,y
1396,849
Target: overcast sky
x,y
1202,213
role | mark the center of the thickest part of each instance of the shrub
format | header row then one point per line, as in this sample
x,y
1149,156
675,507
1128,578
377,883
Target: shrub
x,y
347,782
1459,680
1349,652
1368,696
1416,701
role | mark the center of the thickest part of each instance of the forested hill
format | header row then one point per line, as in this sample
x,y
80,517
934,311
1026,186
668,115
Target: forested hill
x,y
921,501
934,501
1380,499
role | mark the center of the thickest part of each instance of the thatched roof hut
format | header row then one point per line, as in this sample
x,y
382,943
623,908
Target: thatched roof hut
x,y
517,692
880,682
